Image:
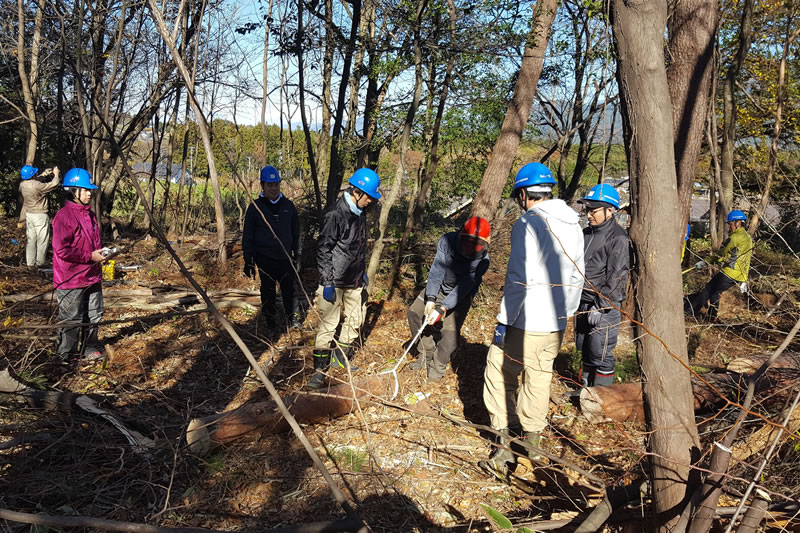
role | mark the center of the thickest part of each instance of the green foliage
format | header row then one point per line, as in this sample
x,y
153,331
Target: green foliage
x,y
497,517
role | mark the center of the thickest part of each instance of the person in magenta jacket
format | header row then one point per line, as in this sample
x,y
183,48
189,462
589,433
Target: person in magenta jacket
x,y
77,273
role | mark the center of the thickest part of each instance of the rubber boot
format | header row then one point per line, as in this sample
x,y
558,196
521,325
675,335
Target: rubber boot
x,y
341,354
322,361
603,380
420,362
534,438
501,461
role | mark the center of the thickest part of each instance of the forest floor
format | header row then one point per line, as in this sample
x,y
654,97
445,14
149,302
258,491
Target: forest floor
x,y
405,469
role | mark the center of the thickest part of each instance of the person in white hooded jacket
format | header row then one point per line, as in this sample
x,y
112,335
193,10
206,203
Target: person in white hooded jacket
x,y
542,290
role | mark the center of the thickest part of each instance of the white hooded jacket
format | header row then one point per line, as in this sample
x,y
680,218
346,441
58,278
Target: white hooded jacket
x,y
544,279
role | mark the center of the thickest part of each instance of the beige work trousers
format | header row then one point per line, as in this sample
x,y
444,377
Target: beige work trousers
x,y
38,237
351,302
531,354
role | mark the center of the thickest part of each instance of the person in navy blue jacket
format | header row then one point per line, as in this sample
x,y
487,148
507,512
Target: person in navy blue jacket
x,y
462,259
271,245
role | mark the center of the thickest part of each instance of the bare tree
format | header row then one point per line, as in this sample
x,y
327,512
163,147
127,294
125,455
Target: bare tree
x,y
202,125
647,116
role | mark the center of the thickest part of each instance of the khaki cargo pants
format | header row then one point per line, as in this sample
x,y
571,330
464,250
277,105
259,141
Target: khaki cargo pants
x,y
350,302
530,354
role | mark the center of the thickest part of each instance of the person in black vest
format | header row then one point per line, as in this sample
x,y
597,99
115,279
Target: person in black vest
x,y
271,243
461,260
607,257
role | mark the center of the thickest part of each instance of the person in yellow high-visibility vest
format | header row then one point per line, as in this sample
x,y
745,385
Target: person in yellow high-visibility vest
x,y
735,259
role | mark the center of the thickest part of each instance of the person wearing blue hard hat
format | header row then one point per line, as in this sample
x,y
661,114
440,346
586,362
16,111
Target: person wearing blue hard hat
x,y
77,274
272,246
34,189
542,289
607,253
734,258
342,264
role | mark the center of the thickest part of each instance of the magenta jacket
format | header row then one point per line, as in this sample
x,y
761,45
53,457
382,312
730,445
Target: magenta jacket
x,y
75,236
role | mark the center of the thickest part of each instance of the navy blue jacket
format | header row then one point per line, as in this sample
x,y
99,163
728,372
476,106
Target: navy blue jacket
x,y
342,253
454,277
258,240
607,253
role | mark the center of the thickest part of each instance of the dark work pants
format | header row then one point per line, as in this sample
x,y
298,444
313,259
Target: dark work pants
x,y
83,305
439,341
274,271
596,343
710,295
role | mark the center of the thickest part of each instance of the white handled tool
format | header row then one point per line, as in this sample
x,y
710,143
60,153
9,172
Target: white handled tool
x,y
393,371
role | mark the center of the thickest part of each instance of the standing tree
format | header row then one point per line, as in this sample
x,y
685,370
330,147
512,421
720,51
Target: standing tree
x,y
518,111
692,28
638,29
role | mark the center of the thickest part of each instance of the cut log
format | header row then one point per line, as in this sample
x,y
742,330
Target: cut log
x,y
208,432
623,402
751,363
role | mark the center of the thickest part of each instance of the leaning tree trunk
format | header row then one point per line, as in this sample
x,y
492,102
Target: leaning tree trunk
x,y
692,28
517,113
202,126
647,114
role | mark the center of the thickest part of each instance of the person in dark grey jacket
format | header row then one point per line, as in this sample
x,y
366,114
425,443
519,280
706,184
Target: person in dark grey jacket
x,y
461,260
342,259
607,257
272,245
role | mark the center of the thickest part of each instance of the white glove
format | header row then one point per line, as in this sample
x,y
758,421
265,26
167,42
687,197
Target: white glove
x,y
743,287
434,316
429,307
700,265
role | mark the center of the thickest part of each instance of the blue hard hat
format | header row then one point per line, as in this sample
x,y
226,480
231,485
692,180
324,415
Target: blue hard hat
x,y
27,172
78,177
533,174
366,180
736,215
602,193
269,174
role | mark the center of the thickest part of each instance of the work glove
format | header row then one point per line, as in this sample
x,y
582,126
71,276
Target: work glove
x,y
594,316
329,293
436,315
700,265
499,339
250,269
365,280
429,307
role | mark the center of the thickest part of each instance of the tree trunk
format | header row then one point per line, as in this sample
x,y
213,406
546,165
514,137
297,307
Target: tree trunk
x,y
312,163
265,79
729,117
638,30
335,172
202,125
324,134
405,139
755,219
692,27
418,202
26,81
517,113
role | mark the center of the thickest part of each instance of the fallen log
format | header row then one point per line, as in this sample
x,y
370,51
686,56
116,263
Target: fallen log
x,y
623,402
751,363
204,433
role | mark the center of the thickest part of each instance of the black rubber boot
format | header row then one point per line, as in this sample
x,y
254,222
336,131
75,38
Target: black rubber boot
x,y
341,354
601,380
322,361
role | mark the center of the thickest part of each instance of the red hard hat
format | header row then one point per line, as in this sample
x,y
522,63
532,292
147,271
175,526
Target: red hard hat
x,y
477,227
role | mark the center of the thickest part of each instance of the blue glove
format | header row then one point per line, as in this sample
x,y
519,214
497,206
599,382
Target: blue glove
x,y
700,265
329,293
500,336
365,280
594,317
